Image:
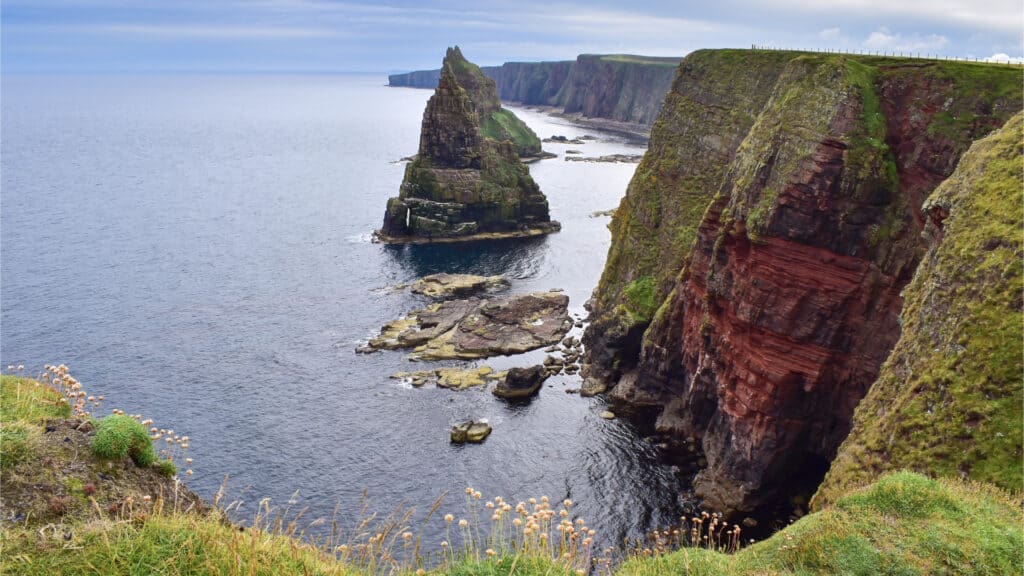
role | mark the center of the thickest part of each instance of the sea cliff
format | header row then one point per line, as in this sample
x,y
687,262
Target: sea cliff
x,y
753,286
620,87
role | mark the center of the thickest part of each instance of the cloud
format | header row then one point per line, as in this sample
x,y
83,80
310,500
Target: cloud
x,y
883,39
191,31
995,15
1001,57
831,34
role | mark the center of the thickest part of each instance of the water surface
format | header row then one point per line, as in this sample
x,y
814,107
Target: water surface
x,y
197,249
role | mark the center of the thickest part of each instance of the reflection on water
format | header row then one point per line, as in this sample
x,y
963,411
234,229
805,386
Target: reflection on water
x,y
514,257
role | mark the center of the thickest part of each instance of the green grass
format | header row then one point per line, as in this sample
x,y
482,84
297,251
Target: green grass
x,y
165,543
24,404
660,61
119,435
904,524
640,297
504,125
26,400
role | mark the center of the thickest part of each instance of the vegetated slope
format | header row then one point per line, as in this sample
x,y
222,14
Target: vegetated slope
x,y
949,399
752,289
903,524
620,87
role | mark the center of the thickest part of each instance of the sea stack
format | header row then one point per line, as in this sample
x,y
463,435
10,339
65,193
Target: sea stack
x,y
468,181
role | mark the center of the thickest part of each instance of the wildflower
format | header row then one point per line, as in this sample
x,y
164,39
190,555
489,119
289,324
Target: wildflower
x,y
567,503
147,498
188,472
469,491
489,505
421,572
444,543
544,499
517,522
563,513
448,518
477,495
496,517
406,536
463,523
188,460
490,552
343,548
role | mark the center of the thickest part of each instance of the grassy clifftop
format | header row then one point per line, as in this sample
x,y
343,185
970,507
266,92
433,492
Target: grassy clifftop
x,y
949,399
903,524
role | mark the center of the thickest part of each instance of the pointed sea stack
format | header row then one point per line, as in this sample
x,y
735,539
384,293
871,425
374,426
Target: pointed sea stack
x,y
468,181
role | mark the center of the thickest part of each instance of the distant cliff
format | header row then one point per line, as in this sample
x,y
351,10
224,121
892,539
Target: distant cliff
x,y
624,88
753,286
467,181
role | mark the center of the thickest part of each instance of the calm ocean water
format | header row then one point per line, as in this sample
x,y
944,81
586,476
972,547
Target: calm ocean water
x,y
197,249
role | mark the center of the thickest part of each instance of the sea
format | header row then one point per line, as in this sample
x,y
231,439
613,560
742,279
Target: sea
x,y
197,249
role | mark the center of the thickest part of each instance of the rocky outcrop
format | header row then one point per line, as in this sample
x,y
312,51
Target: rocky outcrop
x,y
471,431
443,286
475,328
621,87
451,378
467,180
752,289
948,401
521,382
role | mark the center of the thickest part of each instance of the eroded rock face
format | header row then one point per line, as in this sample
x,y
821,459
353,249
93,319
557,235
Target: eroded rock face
x,y
467,181
475,328
776,322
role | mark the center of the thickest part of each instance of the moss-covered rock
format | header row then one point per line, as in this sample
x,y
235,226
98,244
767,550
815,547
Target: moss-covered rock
x,y
467,181
949,399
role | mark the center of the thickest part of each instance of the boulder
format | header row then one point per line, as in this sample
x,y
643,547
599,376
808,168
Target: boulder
x,y
521,382
470,431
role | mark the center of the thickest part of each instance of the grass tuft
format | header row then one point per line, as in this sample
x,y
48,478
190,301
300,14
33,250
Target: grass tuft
x,y
118,436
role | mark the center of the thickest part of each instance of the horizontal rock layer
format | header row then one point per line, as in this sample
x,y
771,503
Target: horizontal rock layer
x,y
752,289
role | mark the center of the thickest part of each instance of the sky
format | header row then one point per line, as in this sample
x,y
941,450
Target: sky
x,y
82,36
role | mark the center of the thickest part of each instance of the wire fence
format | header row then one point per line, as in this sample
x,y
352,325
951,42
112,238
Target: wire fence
x,y
891,53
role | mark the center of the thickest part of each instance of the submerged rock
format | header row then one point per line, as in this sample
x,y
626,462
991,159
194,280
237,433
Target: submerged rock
x,y
479,328
521,382
444,286
470,431
468,182
451,378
